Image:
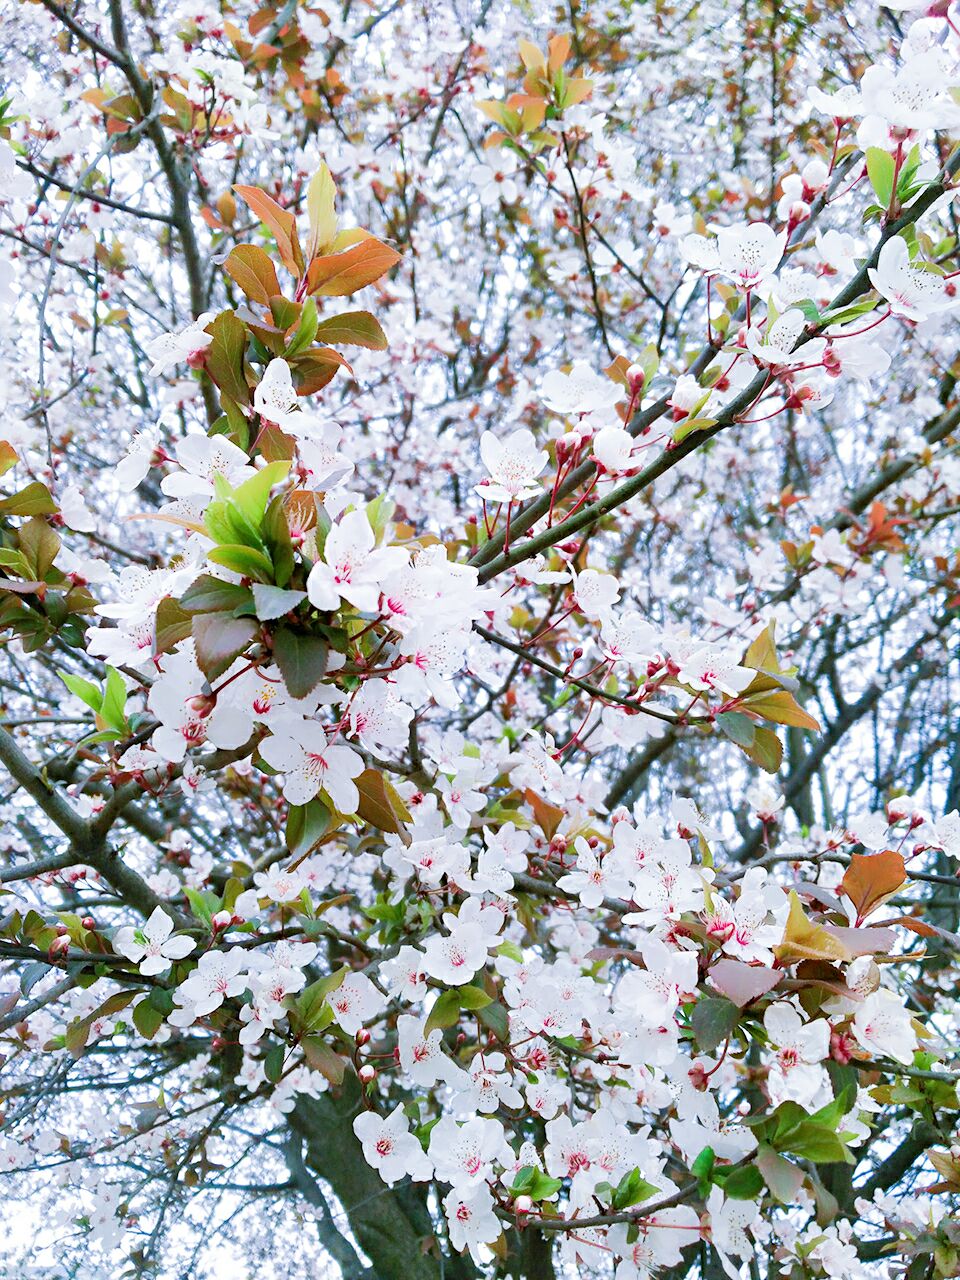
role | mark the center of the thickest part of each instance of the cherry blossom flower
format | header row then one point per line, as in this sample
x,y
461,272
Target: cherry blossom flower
x,y
218,975
310,764
151,945
422,1057
594,593
801,1047
884,1027
351,568
453,959
514,465
184,344
911,291
390,1147
579,391
354,1001
471,1221
710,668
748,253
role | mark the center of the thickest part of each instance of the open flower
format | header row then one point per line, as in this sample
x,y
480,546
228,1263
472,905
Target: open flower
x,y
748,253
184,344
152,945
390,1147
352,569
911,291
309,763
884,1027
513,463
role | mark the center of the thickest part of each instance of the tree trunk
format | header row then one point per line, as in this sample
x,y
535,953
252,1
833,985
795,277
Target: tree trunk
x,y
391,1224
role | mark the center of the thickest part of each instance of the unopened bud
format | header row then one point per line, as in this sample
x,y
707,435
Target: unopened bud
x,y
523,1204
367,1073
59,946
841,1047
88,922
635,379
363,1036
222,920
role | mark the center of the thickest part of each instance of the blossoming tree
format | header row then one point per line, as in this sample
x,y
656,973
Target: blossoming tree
x,y
478,596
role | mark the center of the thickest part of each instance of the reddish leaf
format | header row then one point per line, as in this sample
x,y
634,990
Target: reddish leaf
x,y
253,272
871,879
280,221
338,275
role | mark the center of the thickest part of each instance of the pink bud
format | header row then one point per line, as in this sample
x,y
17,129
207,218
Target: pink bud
x,y
635,379
523,1204
367,1073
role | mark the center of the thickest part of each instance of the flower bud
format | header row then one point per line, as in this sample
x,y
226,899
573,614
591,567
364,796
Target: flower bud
x,y
202,704
841,1047
635,379
88,922
367,1073
523,1204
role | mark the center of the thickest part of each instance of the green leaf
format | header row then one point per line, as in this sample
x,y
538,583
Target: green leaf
x,y
274,602
533,1182
321,1057
33,500
253,495
147,1019
202,904
302,659
85,690
817,1143
173,624
273,1063
321,195
246,561
767,750
445,1012
39,546
306,330
253,271
631,1190
225,356
713,1020
113,707
783,1178
472,998
212,595
226,522
275,531
737,727
880,170
380,803
702,1168
311,1008
307,824
496,1019
741,1184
